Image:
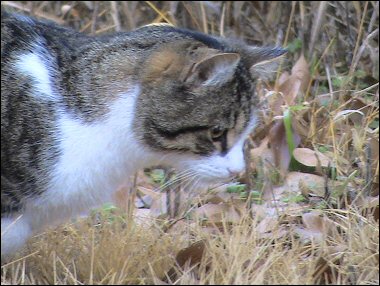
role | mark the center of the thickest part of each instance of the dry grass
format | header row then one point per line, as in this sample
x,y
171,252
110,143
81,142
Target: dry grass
x,y
118,253
339,246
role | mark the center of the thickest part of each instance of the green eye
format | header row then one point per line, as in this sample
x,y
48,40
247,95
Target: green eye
x,y
216,133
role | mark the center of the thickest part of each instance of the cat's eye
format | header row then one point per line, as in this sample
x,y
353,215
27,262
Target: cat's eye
x,y
216,132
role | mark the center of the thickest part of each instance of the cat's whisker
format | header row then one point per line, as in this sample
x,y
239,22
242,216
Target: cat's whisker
x,y
188,186
180,176
189,181
194,187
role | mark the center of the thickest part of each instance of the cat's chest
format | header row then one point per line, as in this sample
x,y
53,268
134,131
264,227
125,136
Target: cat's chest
x,y
94,160
99,154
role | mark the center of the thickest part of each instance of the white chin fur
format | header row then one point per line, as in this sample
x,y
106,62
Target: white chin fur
x,y
218,168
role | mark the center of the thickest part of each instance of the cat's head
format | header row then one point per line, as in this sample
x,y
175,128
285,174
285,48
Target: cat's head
x,y
198,104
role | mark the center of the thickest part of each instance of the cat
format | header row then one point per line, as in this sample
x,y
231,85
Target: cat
x,y
80,114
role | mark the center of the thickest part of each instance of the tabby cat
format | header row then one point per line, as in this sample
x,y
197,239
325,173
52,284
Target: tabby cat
x,y
80,113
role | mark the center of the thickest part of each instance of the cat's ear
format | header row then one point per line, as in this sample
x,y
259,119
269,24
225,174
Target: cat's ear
x,y
264,61
214,70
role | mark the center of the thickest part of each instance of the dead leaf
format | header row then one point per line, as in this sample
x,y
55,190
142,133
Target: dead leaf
x,y
158,200
310,157
305,183
301,71
275,101
267,224
220,195
262,211
290,89
317,227
283,77
279,145
297,82
299,125
262,152
143,202
218,213
272,231
368,202
188,257
143,217
313,221
324,271
192,254
369,206
374,151
273,193
359,104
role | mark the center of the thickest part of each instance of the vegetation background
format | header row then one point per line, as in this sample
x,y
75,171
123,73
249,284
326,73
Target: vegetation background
x,y
307,209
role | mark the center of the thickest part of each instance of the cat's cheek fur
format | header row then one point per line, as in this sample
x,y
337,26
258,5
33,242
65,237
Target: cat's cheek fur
x,y
219,167
233,161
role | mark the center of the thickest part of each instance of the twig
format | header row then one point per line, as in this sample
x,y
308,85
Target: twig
x,y
368,173
94,17
204,18
104,29
85,27
129,14
115,16
373,17
318,20
131,198
26,9
356,54
151,5
361,50
248,160
221,26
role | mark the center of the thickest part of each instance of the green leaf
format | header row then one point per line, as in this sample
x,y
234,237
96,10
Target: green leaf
x,y
294,165
243,195
108,207
374,124
236,188
297,107
323,149
294,199
294,45
256,197
360,74
158,175
288,130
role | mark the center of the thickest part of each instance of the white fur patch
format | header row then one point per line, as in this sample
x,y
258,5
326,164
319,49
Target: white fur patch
x,y
37,65
14,233
95,159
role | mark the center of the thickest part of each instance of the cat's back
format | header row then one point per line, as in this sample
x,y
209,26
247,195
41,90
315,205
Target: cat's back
x,y
21,33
